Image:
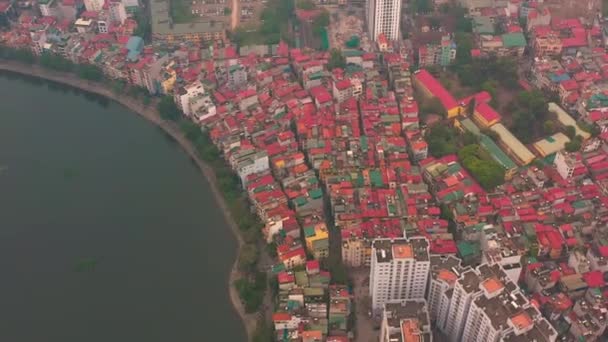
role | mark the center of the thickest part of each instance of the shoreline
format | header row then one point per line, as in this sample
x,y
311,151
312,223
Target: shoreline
x,y
151,114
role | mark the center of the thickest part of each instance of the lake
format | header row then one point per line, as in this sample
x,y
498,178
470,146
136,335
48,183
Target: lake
x,y
108,232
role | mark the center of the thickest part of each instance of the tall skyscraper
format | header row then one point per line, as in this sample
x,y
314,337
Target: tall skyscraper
x,y
445,271
383,17
399,270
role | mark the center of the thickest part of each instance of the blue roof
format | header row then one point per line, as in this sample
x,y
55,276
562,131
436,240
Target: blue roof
x,y
134,45
558,78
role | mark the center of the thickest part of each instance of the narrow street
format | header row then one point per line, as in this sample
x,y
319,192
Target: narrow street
x,y
365,326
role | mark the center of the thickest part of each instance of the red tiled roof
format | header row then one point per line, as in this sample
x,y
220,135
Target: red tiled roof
x,y
343,84
487,113
569,85
594,279
435,87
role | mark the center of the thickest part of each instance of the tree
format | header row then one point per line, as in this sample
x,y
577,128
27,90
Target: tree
x,y
549,127
55,62
89,72
305,4
464,44
433,106
320,22
469,138
570,131
471,107
573,145
336,60
423,6
463,24
488,172
248,257
168,109
441,140
592,129
144,28
490,86
191,130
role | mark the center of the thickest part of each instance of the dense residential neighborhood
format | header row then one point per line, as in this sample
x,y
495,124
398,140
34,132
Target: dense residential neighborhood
x,y
447,182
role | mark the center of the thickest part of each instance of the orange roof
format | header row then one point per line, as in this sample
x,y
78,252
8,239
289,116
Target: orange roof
x,y
410,330
492,285
312,334
281,316
521,321
402,251
448,276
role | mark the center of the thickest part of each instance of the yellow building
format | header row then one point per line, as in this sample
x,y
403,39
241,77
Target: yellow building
x,y
485,116
512,146
317,240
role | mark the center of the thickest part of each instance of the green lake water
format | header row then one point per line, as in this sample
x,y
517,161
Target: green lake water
x,y
108,232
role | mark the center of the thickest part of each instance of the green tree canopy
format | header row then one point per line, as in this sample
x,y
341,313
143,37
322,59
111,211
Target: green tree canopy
x,y
168,109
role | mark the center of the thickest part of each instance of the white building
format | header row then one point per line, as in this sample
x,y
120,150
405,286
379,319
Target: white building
x,y
383,17
406,321
94,5
183,96
130,3
399,270
248,162
237,76
47,7
117,12
445,271
565,164
102,26
598,259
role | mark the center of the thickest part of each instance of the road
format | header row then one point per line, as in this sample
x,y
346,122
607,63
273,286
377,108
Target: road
x,y
234,15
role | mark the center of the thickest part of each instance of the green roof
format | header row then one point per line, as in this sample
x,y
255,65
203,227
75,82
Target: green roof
x,y
376,178
466,248
515,39
316,193
580,204
300,201
470,126
352,53
301,278
497,154
364,143
309,231
483,25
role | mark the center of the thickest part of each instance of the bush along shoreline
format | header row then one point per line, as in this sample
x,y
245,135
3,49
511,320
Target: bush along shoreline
x,y
249,282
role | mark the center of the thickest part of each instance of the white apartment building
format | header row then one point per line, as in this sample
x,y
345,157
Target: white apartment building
x,y
406,321
399,270
488,307
452,323
445,271
383,17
